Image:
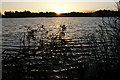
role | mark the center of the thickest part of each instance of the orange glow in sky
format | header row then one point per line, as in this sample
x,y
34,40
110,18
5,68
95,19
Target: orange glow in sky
x,y
58,7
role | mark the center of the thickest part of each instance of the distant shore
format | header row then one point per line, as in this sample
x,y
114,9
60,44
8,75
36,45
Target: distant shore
x,y
24,14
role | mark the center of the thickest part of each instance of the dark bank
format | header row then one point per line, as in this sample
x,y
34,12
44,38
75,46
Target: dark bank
x,y
100,13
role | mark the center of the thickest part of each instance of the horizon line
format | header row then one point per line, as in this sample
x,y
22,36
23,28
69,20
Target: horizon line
x,y
61,12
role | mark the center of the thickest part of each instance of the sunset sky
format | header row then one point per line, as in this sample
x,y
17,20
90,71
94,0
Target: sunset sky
x,y
58,6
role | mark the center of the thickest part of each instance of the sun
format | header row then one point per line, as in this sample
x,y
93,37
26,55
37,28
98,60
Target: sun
x,y
59,11
59,8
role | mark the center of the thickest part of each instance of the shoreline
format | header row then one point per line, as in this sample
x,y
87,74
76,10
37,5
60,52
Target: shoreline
x,y
58,16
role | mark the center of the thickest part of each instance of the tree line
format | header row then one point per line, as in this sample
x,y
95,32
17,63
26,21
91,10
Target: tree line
x,y
99,13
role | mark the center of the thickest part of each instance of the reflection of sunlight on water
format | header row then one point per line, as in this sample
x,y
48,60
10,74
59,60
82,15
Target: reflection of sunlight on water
x,y
56,54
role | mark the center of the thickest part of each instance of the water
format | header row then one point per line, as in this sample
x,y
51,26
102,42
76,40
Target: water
x,y
12,27
56,57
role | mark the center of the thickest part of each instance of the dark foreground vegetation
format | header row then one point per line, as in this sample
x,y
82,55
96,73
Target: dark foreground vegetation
x,y
100,13
52,57
96,56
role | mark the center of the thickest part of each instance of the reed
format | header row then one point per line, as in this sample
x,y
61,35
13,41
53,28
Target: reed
x,y
106,54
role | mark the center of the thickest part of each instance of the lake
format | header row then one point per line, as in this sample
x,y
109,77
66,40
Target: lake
x,y
49,47
76,26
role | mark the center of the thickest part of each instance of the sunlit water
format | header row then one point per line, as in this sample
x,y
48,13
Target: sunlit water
x,y
54,60
76,26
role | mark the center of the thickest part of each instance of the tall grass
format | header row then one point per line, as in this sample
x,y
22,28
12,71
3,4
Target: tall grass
x,y
40,53
106,54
